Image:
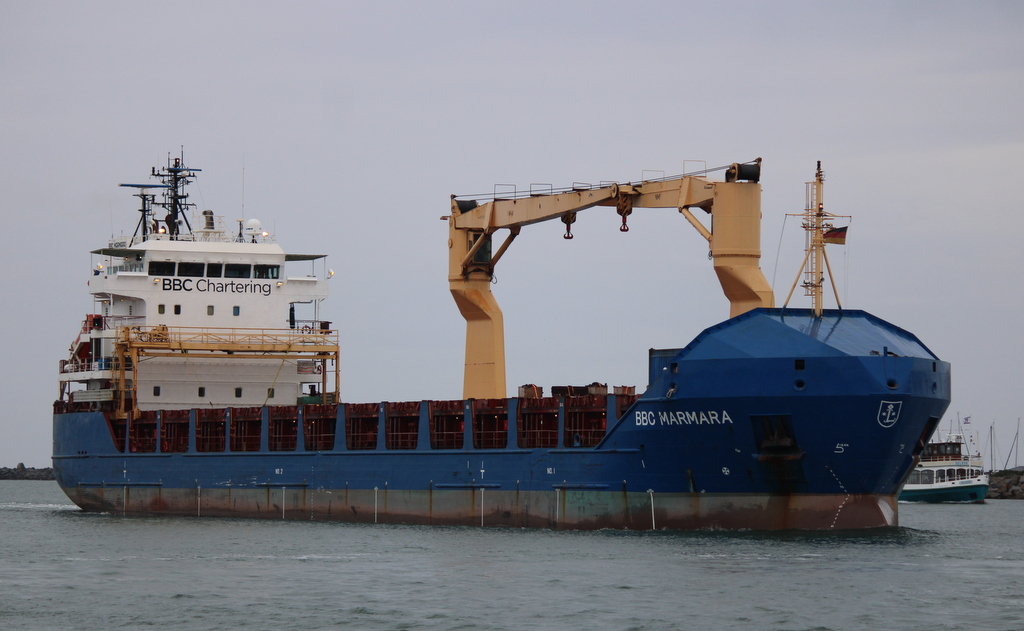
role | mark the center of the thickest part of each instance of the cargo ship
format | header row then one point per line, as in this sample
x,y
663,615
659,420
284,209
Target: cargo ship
x,y
206,382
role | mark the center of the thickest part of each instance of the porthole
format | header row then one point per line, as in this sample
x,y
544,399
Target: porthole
x,y
799,385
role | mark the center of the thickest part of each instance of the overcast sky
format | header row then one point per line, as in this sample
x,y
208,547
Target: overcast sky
x,y
345,127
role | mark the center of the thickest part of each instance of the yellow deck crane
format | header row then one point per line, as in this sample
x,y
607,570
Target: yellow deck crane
x,y
734,239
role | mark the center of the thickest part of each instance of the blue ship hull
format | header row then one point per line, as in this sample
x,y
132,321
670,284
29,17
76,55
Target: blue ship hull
x,y
773,419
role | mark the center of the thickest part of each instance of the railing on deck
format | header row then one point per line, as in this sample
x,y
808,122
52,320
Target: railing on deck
x,y
109,323
239,340
77,365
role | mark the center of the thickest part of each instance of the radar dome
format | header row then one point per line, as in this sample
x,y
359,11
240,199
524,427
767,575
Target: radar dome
x,y
253,226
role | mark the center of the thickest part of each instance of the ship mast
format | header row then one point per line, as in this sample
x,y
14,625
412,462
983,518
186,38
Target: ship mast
x,y
174,177
146,210
816,223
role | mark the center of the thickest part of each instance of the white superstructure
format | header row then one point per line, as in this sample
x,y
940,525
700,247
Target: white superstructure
x,y
203,317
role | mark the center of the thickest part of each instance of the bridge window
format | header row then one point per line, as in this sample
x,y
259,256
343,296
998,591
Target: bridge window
x,y
214,270
161,268
191,269
237,270
266,271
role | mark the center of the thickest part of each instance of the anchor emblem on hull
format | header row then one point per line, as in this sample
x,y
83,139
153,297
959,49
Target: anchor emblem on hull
x,y
889,413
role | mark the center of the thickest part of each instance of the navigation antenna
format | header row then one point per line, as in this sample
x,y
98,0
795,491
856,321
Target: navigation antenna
x,y
820,230
174,177
144,226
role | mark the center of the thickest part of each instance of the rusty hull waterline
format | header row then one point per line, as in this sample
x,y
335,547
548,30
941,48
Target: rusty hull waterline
x,y
575,509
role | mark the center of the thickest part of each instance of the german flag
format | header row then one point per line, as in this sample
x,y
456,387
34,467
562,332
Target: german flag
x,y
835,235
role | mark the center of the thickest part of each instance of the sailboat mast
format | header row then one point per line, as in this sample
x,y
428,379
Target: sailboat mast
x,y
991,457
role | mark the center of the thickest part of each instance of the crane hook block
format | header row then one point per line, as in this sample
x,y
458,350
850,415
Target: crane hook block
x,y
623,206
568,219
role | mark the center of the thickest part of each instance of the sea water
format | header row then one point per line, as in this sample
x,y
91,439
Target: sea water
x,y
951,566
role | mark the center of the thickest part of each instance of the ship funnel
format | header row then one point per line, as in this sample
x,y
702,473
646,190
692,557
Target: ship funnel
x,y
208,216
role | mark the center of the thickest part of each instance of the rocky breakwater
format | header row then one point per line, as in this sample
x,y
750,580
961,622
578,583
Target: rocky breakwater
x,y
1006,485
21,472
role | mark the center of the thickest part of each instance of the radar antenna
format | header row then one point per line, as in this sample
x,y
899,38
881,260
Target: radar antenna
x,y
145,225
